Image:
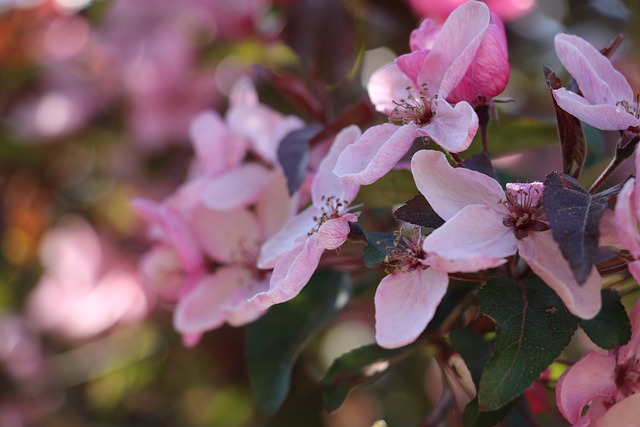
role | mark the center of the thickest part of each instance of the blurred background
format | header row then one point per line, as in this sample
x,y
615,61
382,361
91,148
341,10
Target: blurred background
x,y
96,98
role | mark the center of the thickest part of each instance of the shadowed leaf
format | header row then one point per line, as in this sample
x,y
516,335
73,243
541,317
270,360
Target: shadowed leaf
x,y
480,163
611,327
293,155
418,211
376,250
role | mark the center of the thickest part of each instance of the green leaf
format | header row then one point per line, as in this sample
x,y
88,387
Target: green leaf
x,y
396,187
611,327
473,417
275,340
359,366
533,327
515,134
376,249
474,350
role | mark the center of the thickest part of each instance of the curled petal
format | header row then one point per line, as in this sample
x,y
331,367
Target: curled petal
x,y
449,189
236,188
290,274
241,311
405,304
599,82
453,128
333,233
591,377
600,116
376,152
543,255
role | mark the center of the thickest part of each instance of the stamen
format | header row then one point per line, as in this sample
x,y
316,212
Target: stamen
x,y
333,208
406,253
524,202
413,110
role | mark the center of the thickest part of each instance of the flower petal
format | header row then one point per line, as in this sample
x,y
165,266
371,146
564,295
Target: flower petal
x,y
410,64
241,311
449,189
599,82
216,147
476,232
376,152
389,84
290,274
424,36
543,255
600,116
237,187
405,304
453,128
624,413
333,233
626,218
275,206
591,377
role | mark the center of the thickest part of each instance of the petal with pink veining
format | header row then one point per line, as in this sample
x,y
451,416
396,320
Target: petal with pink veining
x,y
326,183
449,189
236,188
591,377
376,152
476,231
334,232
452,128
463,265
543,255
600,116
291,273
599,82
410,64
405,304
424,36
389,84
454,48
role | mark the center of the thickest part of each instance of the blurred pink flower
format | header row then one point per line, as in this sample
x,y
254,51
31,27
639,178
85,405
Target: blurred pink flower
x,y
83,293
607,101
607,382
440,10
627,216
294,252
413,90
485,224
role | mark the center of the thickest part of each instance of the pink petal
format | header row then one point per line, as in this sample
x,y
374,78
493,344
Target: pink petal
x,y
375,153
389,84
333,233
609,231
626,219
275,207
291,235
243,92
543,255
205,307
217,149
424,36
631,350
463,265
405,304
227,236
454,48
236,188
453,128
241,311
600,116
624,413
290,274
326,183
599,82
449,189
591,377
476,232
410,64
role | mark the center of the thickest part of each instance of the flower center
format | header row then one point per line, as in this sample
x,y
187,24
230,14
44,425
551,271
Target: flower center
x,y
631,109
628,379
524,202
413,109
406,253
333,207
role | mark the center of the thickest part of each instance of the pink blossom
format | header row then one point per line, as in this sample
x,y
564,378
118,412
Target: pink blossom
x,y
484,224
80,293
607,382
627,215
607,100
294,252
413,90
440,10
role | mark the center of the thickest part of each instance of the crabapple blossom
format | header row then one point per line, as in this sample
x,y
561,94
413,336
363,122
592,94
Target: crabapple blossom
x,y
607,101
627,215
505,9
294,252
413,91
607,382
485,223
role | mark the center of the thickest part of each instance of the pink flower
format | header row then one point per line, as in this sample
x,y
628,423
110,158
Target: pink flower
x,y
607,382
607,100
439,10
626,217
294,252
413,90
484,224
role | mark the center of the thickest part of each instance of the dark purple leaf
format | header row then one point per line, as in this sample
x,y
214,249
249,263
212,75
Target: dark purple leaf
x,y
418,211
574,217
293,155
299,95
570,134
480,163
